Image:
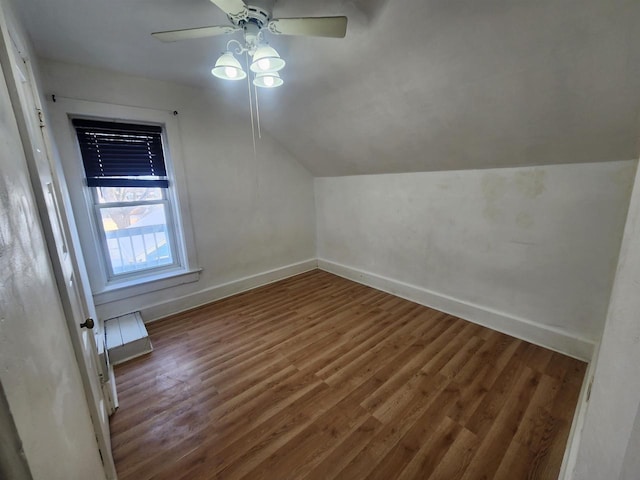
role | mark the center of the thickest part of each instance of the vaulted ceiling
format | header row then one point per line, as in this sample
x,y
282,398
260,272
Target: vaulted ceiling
x,y
416,85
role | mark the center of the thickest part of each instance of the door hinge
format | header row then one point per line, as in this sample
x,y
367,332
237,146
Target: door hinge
x,y
99,451
40,117
589,390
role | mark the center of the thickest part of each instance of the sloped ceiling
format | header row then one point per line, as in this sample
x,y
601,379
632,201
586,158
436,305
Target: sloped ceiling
x,y
417,85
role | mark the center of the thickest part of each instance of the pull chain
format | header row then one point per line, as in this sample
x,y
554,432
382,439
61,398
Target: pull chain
x,y
255,89
253,129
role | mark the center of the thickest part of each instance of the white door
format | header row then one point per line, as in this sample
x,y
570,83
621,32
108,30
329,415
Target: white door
x,y
78,305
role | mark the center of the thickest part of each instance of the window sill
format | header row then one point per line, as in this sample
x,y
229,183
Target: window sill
x,y
140,286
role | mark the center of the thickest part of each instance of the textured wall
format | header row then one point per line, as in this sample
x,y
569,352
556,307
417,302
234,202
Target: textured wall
x,y
538,244
416,85
38,370
631,465
249,214
609,431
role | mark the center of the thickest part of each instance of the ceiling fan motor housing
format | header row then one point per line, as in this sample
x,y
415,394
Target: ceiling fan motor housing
x,y
257,16
258,13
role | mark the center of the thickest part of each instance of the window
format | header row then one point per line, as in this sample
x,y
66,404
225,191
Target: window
x,y
126,172
125,268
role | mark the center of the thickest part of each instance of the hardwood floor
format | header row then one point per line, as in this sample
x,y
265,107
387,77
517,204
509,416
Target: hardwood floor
x,y
317,377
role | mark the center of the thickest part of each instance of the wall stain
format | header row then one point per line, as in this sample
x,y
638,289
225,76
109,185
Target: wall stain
x,y
494,187
531,182
524,220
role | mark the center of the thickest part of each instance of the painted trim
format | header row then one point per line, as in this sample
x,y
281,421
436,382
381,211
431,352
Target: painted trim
x,y
140,286
545,336
157,311
65,108
575,434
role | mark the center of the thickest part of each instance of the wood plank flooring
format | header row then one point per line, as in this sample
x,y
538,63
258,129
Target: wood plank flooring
x,y
317,377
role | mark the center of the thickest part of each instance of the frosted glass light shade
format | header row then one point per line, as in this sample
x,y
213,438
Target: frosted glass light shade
x,y
267,80
228,68
266,59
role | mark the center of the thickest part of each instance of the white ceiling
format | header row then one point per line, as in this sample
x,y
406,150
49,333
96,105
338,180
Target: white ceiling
x,y
417,85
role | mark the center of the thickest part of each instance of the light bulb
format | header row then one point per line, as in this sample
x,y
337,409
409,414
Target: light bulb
x,y
264,64
266,60
267,80
228,68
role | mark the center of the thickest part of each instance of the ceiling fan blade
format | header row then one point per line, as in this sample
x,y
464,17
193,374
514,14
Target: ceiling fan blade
x,y
188,33
236,9
309,26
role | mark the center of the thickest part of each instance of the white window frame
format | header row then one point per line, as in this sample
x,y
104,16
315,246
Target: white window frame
x,y
172,228
105,286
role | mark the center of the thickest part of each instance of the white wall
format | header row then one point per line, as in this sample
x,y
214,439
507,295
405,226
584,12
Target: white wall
x,y
610,433
250,215
517,248
38,370
631,465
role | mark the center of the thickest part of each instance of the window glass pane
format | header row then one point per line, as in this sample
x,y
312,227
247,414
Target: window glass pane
x,y
137,237
128,194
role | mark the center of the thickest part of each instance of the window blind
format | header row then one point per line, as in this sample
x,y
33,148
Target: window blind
x,y
121,154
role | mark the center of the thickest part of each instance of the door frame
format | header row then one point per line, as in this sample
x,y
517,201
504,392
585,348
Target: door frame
x,y
13,52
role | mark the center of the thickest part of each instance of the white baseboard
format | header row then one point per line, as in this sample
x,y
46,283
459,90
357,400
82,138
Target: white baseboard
x,y
545,336
217,292
548,337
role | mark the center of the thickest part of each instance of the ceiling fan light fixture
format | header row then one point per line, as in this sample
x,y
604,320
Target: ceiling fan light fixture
x,y
267,80
228,68
266,59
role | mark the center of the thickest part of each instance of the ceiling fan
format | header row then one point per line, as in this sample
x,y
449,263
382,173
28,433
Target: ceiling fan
x,y
256,16
252,19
